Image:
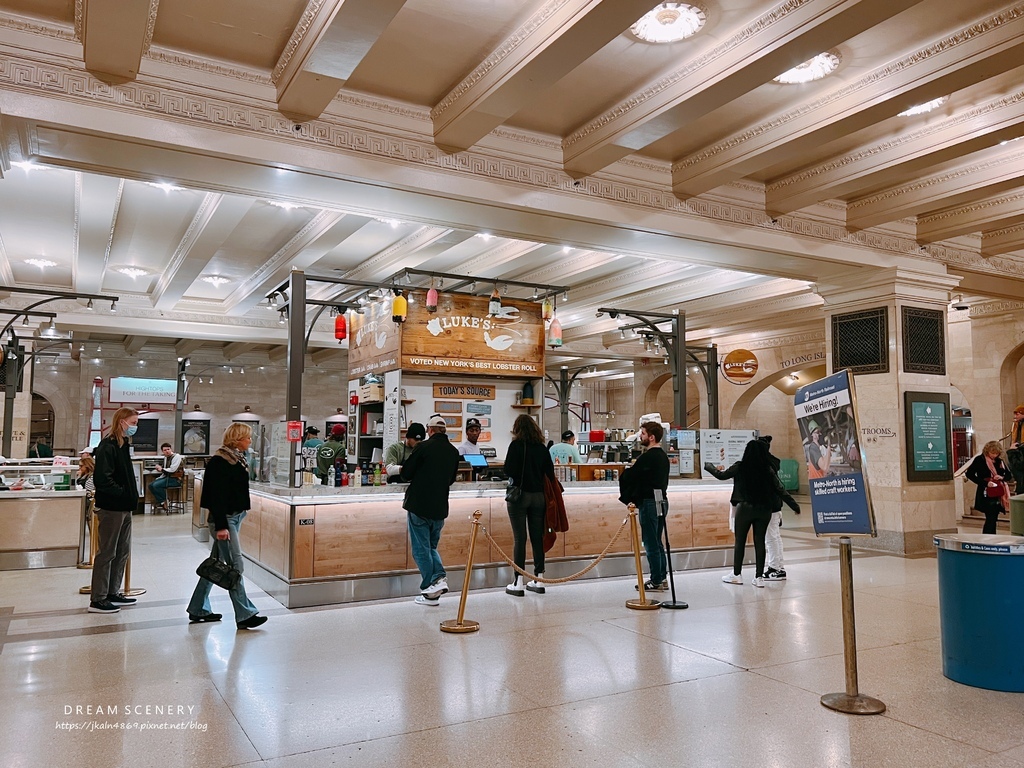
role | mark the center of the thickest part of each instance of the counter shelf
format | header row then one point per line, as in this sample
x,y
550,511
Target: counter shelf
x,y
318,545
41,528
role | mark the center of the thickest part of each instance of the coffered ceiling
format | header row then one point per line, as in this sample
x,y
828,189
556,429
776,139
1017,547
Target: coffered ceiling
x,y
185,155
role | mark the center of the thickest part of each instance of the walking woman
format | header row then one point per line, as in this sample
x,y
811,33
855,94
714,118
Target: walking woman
x,y
990,473
226,496
116,498
526,464
755,490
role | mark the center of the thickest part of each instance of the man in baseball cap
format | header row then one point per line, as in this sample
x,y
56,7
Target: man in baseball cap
x,y
430,471
566,451
472,435
397,453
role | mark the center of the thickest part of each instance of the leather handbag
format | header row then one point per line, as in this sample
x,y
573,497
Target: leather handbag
x,y
994,490
219,572
513,494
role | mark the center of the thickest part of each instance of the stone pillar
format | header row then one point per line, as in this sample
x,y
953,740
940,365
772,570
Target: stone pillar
x,y
906,514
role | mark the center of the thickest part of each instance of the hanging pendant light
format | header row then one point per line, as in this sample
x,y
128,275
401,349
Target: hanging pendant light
x,y
554,332
340,327
399,307
432,298
546,308
494,305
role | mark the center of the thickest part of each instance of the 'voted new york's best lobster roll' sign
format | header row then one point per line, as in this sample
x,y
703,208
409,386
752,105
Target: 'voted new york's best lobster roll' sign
x,y
461,338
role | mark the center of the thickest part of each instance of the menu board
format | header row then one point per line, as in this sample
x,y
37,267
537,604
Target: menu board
x,y
723,447
929,440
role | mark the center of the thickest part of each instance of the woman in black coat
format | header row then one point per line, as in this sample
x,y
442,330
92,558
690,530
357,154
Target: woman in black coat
x,y
226,497
526,464
989,471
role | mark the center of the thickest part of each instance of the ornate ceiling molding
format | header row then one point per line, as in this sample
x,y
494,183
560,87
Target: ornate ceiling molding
x,y
659,86
980,206
298,35
995,308
154,6
791,340
36,27
871,80
508,45
195,63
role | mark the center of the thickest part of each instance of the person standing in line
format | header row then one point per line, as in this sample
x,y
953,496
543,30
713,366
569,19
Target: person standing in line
x,y
637,485
331,454
117,496
170,476
526,464
226,496
776,567
430,472
566,451
989,471
397,453
755,488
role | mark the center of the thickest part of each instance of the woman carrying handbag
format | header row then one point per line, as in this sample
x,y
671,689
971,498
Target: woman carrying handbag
x,y
990,473
226,497
527,463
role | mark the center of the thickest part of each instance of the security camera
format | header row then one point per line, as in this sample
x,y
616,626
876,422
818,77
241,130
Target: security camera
x,y
961,305
613,315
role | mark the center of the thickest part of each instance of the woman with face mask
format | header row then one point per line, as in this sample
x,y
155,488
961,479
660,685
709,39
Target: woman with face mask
x,y
116,498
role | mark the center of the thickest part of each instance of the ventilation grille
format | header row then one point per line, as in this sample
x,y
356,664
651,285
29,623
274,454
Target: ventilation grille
x,y
860,341
924,340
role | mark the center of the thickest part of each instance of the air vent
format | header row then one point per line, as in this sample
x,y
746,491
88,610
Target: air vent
x,y
924,340
860,341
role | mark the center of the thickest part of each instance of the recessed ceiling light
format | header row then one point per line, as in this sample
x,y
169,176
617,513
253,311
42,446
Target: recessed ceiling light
x,y
928,106
282,204
815,68
669,23
215,280
133,272
393,223
165,186
41,263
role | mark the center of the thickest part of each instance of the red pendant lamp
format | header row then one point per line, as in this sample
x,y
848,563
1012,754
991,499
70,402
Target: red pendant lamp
x,y
431,303
340,327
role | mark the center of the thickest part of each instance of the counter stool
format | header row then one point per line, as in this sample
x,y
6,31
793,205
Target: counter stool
x,y
176,498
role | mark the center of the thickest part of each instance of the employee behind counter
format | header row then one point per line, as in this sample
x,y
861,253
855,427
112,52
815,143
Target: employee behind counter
x,y
397,453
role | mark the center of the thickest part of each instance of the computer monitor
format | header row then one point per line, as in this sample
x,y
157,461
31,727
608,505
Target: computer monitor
x,y
476,460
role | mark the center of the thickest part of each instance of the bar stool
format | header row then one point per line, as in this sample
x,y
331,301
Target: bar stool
x,y
176,498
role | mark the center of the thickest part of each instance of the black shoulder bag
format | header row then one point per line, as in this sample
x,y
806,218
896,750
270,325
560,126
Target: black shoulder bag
x,y
513,494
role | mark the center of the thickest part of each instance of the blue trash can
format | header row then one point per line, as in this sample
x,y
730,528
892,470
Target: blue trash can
x,y
981,609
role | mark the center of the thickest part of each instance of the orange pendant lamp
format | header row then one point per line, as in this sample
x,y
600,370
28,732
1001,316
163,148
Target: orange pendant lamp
x,y
340,327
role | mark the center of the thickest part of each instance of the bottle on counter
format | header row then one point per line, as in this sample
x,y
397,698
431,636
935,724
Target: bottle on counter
x,y
376,475
330,476
344,477
337,474
357,478
367,474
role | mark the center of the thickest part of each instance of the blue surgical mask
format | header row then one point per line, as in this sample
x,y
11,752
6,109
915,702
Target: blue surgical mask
x,y
132,430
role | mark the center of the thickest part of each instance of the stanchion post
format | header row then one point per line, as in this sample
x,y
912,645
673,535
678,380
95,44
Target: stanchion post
x,y
128,591
94,537
662,504
459,626
852,702
642,604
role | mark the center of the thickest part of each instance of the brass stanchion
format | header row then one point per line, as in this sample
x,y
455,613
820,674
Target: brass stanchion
x,y
643,604
852,702
458,626
93,546
128,591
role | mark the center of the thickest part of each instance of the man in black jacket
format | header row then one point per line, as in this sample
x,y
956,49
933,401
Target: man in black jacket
x,y
430,471
637,485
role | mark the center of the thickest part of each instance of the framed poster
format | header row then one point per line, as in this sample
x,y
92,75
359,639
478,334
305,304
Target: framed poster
x,y
195,437
145,439
929,436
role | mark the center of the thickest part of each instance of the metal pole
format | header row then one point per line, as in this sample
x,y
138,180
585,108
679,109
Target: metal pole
x,y
459,626
296,362
642,604
852,701
662,504
563,398
711,378
179,404
679,374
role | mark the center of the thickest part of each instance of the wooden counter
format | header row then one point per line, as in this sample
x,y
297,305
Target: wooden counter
x,y
41,529
318,545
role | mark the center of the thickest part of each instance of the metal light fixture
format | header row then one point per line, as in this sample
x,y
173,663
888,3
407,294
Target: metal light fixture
x,y
399,307
113,307
494,305
88,305
282,317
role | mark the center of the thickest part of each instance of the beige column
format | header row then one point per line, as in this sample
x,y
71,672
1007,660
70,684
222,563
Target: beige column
x,y
907,514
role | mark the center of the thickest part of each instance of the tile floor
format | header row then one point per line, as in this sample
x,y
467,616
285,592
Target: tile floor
x,y
570,678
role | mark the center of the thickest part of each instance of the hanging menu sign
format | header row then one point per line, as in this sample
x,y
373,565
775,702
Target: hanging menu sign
x,y
373,340
462,338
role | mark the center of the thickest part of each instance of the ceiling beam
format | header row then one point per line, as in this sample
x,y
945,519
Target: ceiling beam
x,y
114,35
992,213
782,38
555,40
97,201
277,354
328,44
976,53
186,347
977,130
134,344
236,349
1002,241
325,355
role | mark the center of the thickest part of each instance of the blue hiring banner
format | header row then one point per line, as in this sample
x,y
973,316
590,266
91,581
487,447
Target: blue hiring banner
x,y
836,478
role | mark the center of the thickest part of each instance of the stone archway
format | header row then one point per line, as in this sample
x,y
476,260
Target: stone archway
x,y
658,396
65,416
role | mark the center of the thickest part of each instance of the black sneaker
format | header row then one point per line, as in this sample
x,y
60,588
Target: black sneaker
x,y
252,622
651,586
103,607
121,600
774,574
196,619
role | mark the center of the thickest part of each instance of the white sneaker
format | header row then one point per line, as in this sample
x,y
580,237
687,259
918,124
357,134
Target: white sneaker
x,y
732,578
424,600
758,582
437,589
535,586
515,588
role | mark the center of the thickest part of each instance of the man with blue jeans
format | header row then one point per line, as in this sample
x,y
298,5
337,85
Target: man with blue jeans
x,y
430,471
637,485
169,477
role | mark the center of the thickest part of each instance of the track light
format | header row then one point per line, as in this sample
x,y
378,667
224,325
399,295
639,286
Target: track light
x,y
231,370
113,307
88,305
25,320
622,333
210,380
241,369
282,317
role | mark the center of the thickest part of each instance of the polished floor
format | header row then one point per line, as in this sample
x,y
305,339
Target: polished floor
x,y
569,678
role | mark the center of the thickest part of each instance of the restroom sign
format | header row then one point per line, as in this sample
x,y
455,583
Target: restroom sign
x,y
739,366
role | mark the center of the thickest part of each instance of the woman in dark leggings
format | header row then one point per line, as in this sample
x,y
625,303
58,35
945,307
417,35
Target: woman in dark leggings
x,y
526,464
755,489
